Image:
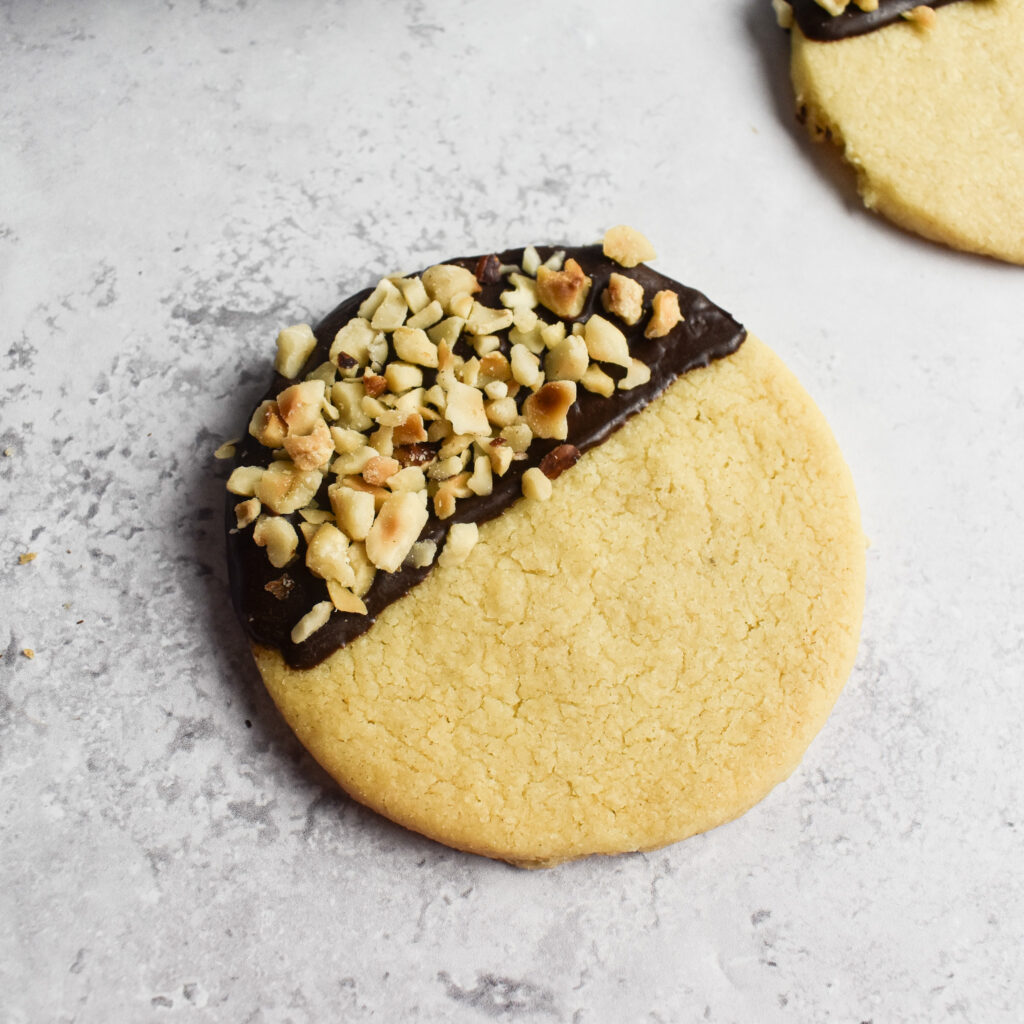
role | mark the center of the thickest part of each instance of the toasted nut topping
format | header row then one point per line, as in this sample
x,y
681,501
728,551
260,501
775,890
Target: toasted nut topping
x,y
568,360
638,373
402,377
313,450
226,450
415,454
605,342
627,246
410,430
294,347
546,409
344,600
445,281
348,396
494,366
536,485
518,436
482,480
482,320
281,587
299,406
531,261
558,460
501,458
354,341
413,346
327,555
354,510
413,292
245,513
447,330
462,538
285,488
624,297
278,536
525,366
313,620
523,293
244,480
422,554
502,412
412,478
427,316
465,409
488,269
379,470
373,385
397,526
664,316
392,311
597,381
921,15
563,291
364,569
267,426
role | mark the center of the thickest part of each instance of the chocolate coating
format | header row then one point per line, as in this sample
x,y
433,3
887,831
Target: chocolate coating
x,y
816,23
706,334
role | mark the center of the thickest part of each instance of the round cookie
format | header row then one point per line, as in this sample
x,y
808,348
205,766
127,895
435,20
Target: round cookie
x,y
640,657
928,112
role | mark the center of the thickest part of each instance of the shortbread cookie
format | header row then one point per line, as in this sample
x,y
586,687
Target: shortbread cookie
x,y
927,106
651,594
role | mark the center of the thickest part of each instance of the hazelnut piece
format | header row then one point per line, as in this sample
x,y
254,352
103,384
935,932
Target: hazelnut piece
x,y
627,246
545,411
563,291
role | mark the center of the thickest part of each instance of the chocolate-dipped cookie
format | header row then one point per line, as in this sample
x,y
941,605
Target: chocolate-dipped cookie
x,y
926,104
542,555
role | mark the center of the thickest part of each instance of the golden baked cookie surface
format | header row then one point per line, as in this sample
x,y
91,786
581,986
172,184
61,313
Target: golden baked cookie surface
x,y
932,120
642,657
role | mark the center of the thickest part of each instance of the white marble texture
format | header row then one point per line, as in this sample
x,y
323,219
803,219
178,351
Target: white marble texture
x,y
179,179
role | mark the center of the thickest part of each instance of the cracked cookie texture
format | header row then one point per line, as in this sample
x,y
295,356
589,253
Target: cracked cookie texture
x,y
639,658
930,114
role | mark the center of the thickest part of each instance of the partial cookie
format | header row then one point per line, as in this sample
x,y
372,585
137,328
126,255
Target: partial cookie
x,y
638,650
927,106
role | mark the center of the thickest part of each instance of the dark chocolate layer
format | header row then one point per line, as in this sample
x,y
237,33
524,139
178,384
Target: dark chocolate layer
x,y
707,333
816,23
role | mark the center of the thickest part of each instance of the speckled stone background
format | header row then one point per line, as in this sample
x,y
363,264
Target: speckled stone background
x,y
181,179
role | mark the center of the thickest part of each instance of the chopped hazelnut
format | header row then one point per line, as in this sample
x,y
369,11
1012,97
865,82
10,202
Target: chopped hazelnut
x,y
348,396
267,426
410,430
379,470
402,377
422,553
605,342
783,13
536,485
597,381
353,510
445,281
413,292
413,346
344,600
563,291
294,347
285,488
638,373
415,454
397,526
429,315
627,246
545,411
313,620
464,409
558,460
327,555
373,385
353,341
488,269
665,314
525,366
522,294
568,360
482,320
299,405
278,536
392,311
281,587
312,450
246,512
625,298
244,480
482,480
